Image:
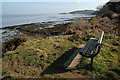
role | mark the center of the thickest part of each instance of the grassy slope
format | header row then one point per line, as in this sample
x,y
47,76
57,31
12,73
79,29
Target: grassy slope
x,y
106,64
32,57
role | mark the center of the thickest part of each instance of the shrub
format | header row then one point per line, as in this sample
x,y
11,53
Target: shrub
x,y
74,38
12,44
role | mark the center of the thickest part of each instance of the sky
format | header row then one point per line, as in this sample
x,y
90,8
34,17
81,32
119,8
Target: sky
x,y
48,6
57,0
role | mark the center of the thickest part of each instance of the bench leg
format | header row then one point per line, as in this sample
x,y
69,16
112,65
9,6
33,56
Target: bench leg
x,y
91,62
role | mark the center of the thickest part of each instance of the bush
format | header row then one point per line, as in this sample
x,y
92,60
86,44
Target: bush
x,y
12,44
74,38
86,38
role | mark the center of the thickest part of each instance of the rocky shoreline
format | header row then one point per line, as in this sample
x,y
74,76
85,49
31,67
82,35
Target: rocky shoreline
x,y
44,29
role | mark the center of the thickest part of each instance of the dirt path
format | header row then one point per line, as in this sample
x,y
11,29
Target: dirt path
x,y
73,75
74,60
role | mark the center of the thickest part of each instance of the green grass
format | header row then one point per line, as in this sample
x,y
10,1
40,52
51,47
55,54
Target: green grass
x,y
12,44
106,63
34,56
29,59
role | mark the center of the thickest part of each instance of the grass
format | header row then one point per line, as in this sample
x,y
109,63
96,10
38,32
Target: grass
x,y
34,56
29,59
12,44
106,63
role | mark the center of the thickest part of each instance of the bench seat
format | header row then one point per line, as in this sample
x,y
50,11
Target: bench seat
x,y
89,50
92,48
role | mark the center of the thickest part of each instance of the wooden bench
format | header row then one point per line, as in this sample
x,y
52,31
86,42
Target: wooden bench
x,y
92,48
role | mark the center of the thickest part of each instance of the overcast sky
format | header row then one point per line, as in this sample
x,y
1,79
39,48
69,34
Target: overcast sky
x,y
53,6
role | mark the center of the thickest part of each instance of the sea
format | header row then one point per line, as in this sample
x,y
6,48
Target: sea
x,y
13,20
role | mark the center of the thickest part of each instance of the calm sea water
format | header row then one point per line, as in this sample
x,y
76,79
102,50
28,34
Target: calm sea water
x,y
11,20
